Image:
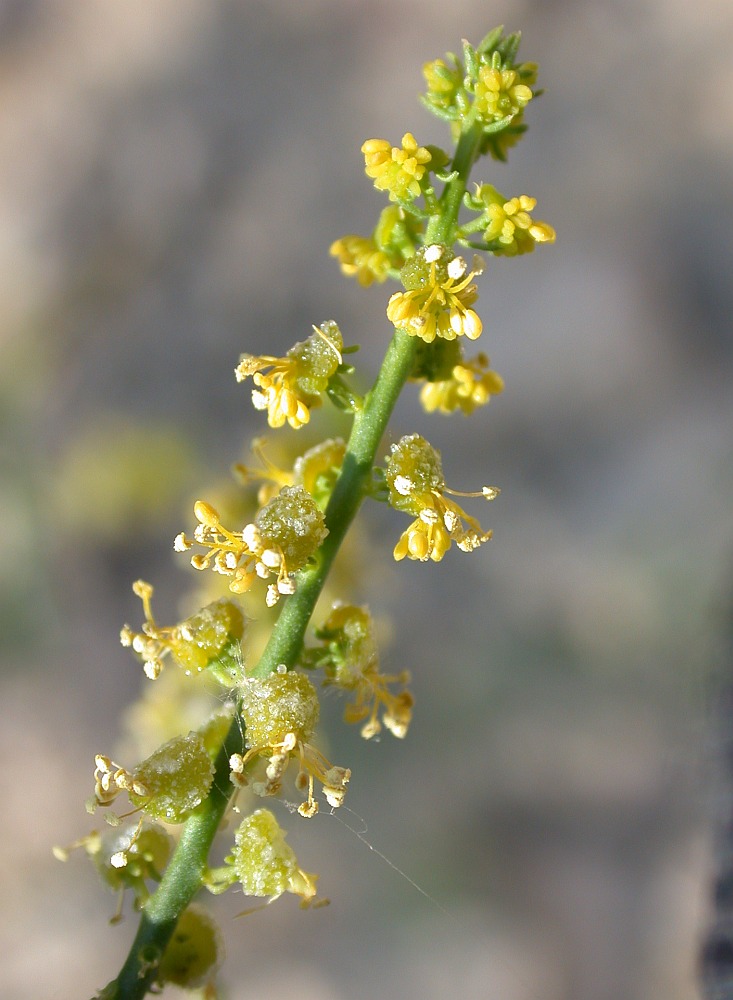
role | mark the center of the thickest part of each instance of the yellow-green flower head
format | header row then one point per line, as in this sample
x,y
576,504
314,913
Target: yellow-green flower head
x,y
276,705
168,785
293,523
175,779
396,170
471,384
208,639
193,952
511,229
265,863
280,713
352,664
437,297
293,385
284,535
414,475
499,94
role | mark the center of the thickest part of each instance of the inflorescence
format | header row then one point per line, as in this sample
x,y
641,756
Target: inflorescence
x,y
272,707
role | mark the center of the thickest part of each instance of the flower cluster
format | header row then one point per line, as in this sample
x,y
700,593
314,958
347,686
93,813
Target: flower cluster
x,y
445,90
468,385
263,862
381,255
438,296
127,857
499,94
486,87
414,475
284,535
168,785
288,388
394,169
510,228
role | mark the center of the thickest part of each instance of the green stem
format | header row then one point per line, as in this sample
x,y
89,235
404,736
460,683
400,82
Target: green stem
x,y
185,872
442,227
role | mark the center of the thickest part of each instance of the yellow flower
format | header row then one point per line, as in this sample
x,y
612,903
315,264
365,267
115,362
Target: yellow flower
x,y
438,303
511,229
471,384
414,475
284,535
499,95
293,385
276,390
362,258
396,170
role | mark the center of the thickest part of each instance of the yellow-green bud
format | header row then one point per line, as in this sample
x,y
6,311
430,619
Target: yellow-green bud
x,y
413,468
210,640
176,778
276,705
265,863
292,522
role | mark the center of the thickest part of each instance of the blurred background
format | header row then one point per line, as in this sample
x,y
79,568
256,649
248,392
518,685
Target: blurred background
x,y
171,177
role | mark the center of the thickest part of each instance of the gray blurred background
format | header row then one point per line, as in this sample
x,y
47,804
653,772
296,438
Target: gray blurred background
x,y
171,176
